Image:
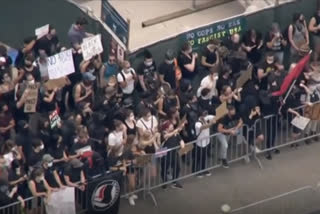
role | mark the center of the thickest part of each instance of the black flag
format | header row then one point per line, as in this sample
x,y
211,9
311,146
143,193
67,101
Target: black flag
x,y
104,194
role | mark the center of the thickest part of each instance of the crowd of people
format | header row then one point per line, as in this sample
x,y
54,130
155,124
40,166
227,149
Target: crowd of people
x,y
111,113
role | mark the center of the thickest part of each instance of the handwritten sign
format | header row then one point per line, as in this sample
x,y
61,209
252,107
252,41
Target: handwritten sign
x,y
56,83
42,31
221,30
32,99
221,111
91,46
54,119
60,65
300,122
244,77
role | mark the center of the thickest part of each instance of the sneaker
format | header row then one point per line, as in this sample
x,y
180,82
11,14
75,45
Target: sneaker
x,y
207,173
225,164
276,151
200,175
269,156
131,201
134,196
177,185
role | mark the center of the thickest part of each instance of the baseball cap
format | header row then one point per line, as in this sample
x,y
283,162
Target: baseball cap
x,y
47,158
88,76
75,163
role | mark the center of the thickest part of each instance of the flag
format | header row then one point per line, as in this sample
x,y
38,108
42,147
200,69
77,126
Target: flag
x,y
104,194
294,74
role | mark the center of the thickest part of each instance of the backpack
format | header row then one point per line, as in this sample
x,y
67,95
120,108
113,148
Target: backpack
x,y
124,77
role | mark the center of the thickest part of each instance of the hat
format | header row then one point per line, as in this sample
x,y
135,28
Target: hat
x,y
88,76
47,158
76,163
169,55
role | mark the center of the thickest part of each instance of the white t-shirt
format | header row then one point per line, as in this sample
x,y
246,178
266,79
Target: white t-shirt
x,y
204,134
116,139
207,82
147,125
129,78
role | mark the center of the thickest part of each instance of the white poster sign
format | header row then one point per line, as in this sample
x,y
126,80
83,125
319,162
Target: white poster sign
x,y
42,31
60,65
61,202
91,46
300,122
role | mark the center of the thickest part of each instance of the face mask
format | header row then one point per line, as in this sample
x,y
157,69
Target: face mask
x,y
50,164
131,117
148,63
42,147
18,171
31,82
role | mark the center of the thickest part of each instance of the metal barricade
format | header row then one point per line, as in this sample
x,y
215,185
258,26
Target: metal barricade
x,y
169,166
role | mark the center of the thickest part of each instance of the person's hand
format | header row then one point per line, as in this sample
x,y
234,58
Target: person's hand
x,y
55,189
55,89
297,114
233,132
23,204
81,187
63,187
88,92
195,55
14,189
3,130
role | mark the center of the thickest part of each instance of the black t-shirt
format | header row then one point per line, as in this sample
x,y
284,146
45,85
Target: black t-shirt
x,y
277,45
147,70
35,158
57,153
73,173
77,146
211,57
172,142
182,61
49,176
168,71
222,82
230,122
267,68
25,141
49,46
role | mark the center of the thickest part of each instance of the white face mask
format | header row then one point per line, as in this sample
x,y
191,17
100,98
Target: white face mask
x,y
148,63
31,82
131,117
18,171
50,164
41,147
170,61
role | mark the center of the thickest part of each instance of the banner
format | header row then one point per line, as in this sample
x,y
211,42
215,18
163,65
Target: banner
x,y
115,22
60,65
91,46
32,99
62,202
221,30
104,194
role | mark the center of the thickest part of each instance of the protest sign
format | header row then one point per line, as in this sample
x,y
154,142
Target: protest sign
x,y
32,98
221,111
42,31
91,46
300,122
62,202
243,79
56,83
54,119
60,65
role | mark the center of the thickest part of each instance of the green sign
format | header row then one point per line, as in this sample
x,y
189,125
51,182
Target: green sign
x,y
221,30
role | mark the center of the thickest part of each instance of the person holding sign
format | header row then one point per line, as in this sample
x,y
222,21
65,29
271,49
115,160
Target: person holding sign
x,y
76,33
28,68
48,45
83,92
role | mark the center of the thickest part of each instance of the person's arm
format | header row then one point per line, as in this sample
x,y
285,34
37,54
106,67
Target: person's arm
x,y
178,102
141,80
69,183
204,62
29,46
32,187
84,65
21,73
262,74
190,67
160,107
207,125
290,36
48,188
271,42
10,126
50,97
290,110
57,178
23,99
222,130
13,192
260,44
77,94
312,26
240,123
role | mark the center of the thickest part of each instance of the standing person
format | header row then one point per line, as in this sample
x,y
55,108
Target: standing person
x,y
252,44
83,92
48,45
9,196
171,161
298,37
39,186
36,154
228,126
275,42
225,79
127,78
130,123
17,177
27,49
51,174
210,55
167,70
110,70
57,151
187,61
28,68
117,138
74,174
7,123
314,28
76,33
147,72
209,82
202,131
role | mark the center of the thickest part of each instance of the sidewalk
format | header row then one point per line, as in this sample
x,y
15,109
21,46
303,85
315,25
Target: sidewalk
x,y
242,185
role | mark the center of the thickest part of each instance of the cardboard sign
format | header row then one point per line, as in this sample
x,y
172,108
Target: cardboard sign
x,y
221,111
243,79
300,122
60,65
54,119
187,148
91,46
32,99
56,83
42,31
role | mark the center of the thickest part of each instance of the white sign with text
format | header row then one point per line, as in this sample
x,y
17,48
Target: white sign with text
x,y
60,65
42,31
91,46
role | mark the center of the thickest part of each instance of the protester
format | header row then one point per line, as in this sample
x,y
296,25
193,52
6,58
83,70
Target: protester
x,y
167,70
314,28
252,44
147,72
188,62
76,33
